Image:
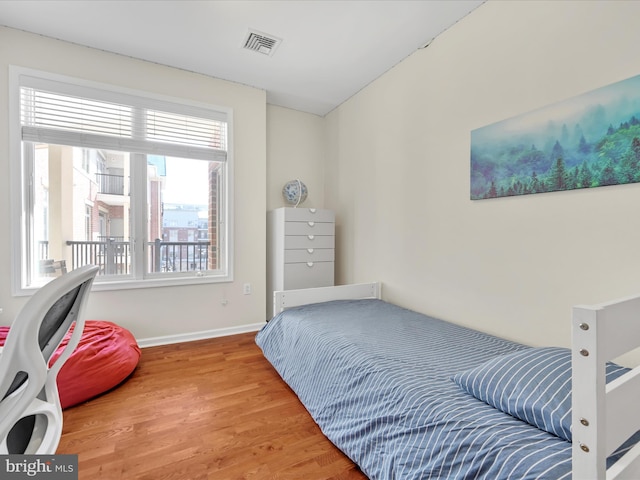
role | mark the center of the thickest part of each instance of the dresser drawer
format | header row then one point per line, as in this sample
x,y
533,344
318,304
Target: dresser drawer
x,y
308,215
308,241
309,255
303,275
309,228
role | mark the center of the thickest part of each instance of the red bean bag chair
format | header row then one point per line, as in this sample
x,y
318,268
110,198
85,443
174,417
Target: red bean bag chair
x,y
106,355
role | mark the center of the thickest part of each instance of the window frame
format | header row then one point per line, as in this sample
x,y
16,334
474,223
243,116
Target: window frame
x,y
19,172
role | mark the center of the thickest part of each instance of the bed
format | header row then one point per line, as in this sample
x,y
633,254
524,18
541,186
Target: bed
x,y
407,396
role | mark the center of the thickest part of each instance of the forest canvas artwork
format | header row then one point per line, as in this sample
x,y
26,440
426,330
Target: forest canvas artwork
x,y
591,140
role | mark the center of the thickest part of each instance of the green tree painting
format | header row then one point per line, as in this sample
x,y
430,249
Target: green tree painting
x,y
591,140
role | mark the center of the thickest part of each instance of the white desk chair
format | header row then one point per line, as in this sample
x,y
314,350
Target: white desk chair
x,y
30,412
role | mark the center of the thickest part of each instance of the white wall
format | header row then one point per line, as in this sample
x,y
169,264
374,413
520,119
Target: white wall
x,y
398,174
295,150
157,312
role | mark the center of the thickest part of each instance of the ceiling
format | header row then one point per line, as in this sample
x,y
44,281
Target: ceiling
x,y
329,49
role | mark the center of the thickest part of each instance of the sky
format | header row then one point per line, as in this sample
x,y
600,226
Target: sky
x,y
181,185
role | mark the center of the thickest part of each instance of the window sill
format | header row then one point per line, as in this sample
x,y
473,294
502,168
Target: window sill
x,y
101,285
105,285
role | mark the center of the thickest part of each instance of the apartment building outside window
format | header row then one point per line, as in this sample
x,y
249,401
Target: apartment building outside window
x,y
99,168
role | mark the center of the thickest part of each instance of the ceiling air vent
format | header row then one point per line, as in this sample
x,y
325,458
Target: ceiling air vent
x,y
261,42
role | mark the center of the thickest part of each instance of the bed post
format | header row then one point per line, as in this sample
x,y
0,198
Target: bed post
x,y
604,416
587,399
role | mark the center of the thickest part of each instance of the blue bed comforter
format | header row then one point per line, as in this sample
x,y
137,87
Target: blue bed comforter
x,y
376,378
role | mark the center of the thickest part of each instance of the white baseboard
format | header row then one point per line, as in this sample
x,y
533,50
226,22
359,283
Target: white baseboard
x,y
190,337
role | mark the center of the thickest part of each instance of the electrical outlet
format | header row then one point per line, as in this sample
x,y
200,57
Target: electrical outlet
x,y
246,289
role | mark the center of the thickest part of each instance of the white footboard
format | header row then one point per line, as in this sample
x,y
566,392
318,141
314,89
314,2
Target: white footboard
x,y
292,298
604,416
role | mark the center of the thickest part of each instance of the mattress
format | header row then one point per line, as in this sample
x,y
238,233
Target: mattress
x,y
377,379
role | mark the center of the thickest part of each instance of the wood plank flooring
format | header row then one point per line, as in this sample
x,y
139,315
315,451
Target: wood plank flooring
x,y
210,409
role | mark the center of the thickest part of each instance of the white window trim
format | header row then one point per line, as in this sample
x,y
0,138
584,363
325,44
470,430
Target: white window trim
x,y
17,214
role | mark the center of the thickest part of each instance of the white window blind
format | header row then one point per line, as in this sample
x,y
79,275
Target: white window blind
x,y
63,114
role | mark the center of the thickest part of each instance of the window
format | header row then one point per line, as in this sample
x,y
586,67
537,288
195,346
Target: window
x,y
104,173
86,160
88,215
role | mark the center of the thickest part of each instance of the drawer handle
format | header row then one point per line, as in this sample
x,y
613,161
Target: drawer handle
x,y
311,224
311,237
310,250
312,210
309,264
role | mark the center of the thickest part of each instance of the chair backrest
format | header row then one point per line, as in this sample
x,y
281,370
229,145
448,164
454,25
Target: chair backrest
x,y
34,336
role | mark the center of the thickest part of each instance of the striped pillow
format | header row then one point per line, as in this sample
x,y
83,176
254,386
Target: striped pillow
x,y
533,385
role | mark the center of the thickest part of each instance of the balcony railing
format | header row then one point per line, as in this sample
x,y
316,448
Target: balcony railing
x,y
43,249
110,184
179,256
113,256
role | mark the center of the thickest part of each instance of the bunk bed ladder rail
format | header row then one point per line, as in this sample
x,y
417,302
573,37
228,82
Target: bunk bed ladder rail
x,y
604,416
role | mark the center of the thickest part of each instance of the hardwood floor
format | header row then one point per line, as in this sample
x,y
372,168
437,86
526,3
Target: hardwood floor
x,y
210,409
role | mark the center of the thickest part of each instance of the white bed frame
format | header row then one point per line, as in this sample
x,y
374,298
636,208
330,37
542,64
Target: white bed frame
x,y
294,298
603,416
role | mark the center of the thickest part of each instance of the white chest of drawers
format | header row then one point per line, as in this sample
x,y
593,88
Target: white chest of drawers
x,y
300,250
